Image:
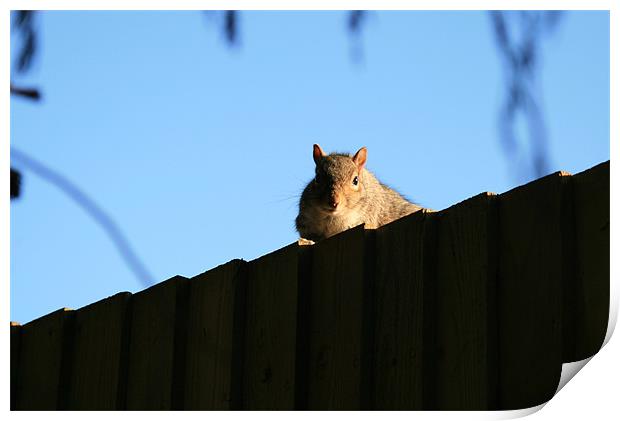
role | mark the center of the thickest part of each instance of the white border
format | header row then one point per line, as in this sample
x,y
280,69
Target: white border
x,y
594,394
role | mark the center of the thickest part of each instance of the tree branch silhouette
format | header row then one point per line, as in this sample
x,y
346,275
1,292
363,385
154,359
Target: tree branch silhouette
x,y
30,93
110,227
355,22
520,57
16,182
23,23
229,24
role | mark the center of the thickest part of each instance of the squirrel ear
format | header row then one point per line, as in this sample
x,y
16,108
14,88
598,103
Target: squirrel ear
x,y
317,153
360,157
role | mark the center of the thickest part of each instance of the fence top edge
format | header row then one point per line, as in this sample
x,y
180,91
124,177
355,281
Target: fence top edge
x,y
351,232
477,200
557,176
176,279
61,312
231,263
124,294
603,167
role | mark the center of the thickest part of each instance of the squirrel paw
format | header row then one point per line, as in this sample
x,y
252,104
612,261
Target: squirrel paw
x,y
304,242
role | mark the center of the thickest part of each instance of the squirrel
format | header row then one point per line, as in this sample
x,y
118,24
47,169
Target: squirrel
x,y
344,194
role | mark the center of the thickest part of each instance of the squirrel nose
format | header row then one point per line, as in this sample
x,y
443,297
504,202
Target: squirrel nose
x,y
333,201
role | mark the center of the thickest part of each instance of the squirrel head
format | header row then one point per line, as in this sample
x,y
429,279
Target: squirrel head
x,y
338,184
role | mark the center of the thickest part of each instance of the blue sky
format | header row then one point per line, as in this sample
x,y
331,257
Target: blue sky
x,y
199,151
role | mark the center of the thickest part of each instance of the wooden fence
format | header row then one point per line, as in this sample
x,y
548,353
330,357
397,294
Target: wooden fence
x,y
473,307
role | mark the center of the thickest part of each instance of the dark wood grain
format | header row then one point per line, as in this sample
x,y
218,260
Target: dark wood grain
x,y
40,362
16,330
529,293
271,327
591,292
466,268
336,322
214,357
152,345
98,350
399,314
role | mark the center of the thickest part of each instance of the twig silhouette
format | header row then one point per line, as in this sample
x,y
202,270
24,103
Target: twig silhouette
x,y
16,181
520,55
30,93
355,23
104,220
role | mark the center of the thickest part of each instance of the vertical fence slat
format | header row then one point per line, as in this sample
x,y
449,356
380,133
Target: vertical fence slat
x,y
399,314
40,362
152,344
430,295
465,272
591,204
270,341
96,365
16,330
302,345
529,293
335,325
214,338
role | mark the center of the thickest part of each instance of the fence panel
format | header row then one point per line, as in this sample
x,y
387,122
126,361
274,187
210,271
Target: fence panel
x,y
270,336
97,378
214,338
151,350
465,316
399,313
16,330
591,201
41,360
529,293
335,326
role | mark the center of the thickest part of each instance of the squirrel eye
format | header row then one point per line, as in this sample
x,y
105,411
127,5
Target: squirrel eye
x,y
355,180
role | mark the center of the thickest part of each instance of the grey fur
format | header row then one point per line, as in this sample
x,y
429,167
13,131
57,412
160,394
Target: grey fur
x,y
370,202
